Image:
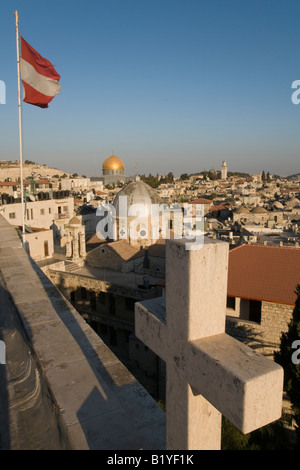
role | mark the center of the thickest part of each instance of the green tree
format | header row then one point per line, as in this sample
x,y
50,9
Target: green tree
x,y
170,177
151,180
288,357
263,176
232,438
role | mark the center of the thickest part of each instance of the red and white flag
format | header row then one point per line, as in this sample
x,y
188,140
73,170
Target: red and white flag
x,y
39,77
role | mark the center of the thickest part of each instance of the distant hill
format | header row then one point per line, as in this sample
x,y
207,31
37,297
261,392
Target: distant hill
x,y
9,169
295,177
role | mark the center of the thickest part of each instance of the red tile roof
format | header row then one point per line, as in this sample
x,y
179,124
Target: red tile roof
x,y
201,200
124,250
268,273
12,183
264,273
220,207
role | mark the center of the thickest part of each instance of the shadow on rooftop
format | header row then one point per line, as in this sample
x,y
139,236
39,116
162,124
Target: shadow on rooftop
x,y
28,419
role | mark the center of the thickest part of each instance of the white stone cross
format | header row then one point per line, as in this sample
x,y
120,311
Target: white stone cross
x,y
209,373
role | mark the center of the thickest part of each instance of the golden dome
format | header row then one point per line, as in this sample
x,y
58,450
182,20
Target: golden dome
x,y
113,163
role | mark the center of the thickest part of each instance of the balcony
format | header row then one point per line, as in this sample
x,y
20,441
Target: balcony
x,y
63,215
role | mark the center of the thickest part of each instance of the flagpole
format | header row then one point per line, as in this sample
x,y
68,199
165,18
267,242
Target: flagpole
x,y
20,126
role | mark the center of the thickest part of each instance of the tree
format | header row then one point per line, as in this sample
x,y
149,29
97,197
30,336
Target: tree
x,y
263,176
232,438
169,178
151,180
288,357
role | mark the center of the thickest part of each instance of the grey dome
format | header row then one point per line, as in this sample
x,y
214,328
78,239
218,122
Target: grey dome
x,y
137,193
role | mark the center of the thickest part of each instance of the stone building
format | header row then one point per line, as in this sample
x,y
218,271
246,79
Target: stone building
x,y
261,293
258,215
74,239
133,213
40,214
39,243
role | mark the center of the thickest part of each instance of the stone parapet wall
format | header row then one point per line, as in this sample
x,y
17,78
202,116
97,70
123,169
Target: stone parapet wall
x,y
66,282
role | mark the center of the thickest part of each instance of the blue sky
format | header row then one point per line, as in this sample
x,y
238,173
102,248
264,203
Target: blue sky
x,y
168,85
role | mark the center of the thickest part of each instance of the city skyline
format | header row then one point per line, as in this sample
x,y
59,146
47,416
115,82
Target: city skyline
x,y
168,86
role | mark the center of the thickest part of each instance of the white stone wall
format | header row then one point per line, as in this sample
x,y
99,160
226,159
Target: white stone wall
x,y
39,214
36,242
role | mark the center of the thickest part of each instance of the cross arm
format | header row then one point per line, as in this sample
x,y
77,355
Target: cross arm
x,y
243,385
150,325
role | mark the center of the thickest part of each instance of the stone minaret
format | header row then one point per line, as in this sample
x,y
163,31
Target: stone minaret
x,y
224,171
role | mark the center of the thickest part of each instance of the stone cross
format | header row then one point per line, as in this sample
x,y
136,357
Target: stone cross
x,y
209,373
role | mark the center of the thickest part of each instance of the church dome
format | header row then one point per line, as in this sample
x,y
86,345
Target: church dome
x,y
75,221
242,210
113,163
259,210
138,193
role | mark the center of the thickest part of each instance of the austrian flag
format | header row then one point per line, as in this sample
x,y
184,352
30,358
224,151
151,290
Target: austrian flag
x,y
39,77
